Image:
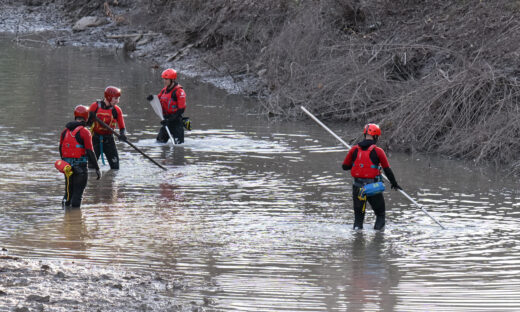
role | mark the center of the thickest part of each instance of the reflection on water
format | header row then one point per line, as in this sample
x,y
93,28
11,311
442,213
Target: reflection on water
x,y
259,212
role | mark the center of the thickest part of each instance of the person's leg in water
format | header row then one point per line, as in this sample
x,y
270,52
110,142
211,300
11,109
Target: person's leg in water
x,y
97,151
162,136
79,182
110,151
359,209
377,202
177,130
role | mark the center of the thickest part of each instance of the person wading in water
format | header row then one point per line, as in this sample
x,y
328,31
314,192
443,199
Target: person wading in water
x,y
365,161
75,150
173,103
111,114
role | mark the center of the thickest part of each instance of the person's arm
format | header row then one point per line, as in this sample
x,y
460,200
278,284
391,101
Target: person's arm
x,y
61,142
92,114
89,148
121,124
120,118
383,160
390,175
181,99
348,162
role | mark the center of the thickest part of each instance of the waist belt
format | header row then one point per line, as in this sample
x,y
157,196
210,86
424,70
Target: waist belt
x,y
360,182
82,161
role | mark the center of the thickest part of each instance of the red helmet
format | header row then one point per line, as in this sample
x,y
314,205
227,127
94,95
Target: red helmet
x,y
170,73
372,129
112,92
81,111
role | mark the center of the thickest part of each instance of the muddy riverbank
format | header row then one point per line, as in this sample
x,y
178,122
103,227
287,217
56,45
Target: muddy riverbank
x,y
119,28
38,285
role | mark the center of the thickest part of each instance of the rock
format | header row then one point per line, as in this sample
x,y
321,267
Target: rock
x,y
39,298
3,293
88,21
129,45
21,309
117,286
60,275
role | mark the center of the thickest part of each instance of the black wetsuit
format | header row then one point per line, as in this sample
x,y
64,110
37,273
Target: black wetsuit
x,y
174,123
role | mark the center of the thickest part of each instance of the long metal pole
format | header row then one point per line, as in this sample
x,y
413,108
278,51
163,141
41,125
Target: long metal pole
x,y
349,147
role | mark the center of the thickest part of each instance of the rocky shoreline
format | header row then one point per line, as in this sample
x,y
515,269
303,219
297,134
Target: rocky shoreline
x,y
50,24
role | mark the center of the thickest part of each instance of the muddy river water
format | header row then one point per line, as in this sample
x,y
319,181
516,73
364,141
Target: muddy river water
x,y
256,212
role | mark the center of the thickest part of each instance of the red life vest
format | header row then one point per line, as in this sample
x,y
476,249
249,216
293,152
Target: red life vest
x,y
70,147
363,167
169,100
108,116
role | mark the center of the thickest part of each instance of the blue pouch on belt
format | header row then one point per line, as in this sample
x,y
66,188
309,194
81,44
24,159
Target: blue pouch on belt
x,y
372,189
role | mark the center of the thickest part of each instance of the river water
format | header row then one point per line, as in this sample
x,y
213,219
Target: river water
x,y
258,213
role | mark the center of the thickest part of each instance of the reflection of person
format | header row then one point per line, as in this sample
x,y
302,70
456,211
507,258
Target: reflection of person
x,y
173,103
371,276
76,149
111,114
365,161
74,232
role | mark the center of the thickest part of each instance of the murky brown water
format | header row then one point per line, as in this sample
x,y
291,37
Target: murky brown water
x,y
258,212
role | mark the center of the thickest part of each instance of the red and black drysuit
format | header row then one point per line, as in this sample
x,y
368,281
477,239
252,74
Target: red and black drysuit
x,y
102,138
76,149
173,103
365,161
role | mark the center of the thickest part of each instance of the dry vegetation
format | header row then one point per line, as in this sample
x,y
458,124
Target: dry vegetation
x,y
439,76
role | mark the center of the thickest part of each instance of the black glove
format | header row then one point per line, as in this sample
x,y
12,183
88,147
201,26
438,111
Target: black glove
x,y
395,186
390,175
164,122
122,135
98,173
149,97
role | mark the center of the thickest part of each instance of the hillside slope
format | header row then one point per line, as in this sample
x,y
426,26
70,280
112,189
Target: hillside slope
x,y
438,76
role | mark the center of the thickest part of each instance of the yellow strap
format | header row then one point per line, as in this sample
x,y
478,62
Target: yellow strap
x,y
363,199
68,194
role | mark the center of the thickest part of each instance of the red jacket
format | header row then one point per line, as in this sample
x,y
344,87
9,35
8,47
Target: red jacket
x,y
173,100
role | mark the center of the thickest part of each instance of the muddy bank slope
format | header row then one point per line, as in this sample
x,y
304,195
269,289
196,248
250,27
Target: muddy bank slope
x,y
437,76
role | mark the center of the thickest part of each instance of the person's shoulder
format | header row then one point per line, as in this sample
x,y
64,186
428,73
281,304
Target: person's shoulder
x,y
180,90
353,149
84,131
379,150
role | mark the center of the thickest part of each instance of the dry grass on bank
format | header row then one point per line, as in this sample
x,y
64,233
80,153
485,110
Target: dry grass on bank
x,y
438,76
